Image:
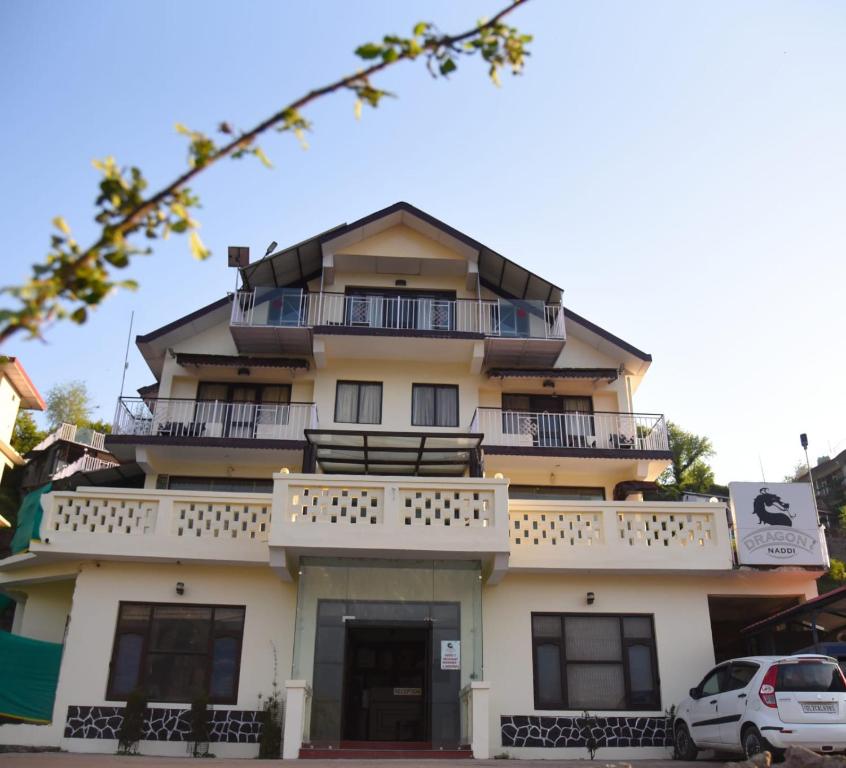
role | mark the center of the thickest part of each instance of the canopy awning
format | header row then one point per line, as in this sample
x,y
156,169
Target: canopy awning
x,y
827,611
607,374
393,453
239,361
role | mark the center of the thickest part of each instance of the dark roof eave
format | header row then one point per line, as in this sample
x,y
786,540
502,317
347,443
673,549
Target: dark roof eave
x,y
616,340
153,335
246,361
553,373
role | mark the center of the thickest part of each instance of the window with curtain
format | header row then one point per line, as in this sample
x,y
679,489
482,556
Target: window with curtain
x,y
434,405
176,653
358,402
596,661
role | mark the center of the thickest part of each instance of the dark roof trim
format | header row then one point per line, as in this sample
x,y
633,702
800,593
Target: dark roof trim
x,y
583,453
189,358
553,373
142,339
818,603
149,389
205,442
616,340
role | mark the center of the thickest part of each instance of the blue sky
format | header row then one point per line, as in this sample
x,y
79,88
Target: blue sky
x,y
678,168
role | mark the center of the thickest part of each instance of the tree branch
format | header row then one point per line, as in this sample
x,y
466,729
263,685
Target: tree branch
x,y
71,273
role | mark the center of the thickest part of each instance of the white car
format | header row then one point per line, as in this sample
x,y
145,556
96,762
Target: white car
x,y
759,703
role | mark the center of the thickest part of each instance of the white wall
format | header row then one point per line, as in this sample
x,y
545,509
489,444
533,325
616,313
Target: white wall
x,y
270,614
45,611
679,604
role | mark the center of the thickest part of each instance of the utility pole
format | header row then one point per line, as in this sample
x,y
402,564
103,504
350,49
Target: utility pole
x,y
803,439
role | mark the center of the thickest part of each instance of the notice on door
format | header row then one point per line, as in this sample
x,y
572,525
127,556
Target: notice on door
x,y
450,654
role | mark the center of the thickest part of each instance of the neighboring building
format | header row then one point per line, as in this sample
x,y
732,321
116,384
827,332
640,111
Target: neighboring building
x,y
16,392
383,473
829,484
65,451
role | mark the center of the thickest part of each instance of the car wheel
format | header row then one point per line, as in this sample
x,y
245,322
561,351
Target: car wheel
x,y
754,744
685,747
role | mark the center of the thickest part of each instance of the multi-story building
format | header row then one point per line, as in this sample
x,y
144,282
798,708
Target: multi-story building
x,y
829,485
395,474
16,392
67,450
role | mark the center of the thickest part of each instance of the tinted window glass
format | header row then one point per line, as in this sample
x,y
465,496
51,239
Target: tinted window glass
x,y
713,684
740,675
816,676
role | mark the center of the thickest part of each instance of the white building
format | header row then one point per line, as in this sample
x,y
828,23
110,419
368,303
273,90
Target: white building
x,y
387,471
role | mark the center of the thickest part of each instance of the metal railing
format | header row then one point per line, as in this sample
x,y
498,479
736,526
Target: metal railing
x,y
73,434
176,417
86,463
601,430
502,318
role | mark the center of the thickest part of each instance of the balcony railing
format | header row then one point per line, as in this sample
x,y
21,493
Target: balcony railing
x,y
392,517
502,318
175,417
74,434
599,430
618,535
86,463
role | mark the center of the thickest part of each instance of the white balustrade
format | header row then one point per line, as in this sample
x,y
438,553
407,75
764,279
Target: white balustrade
x,y
618,535
86,463
131,523
599,430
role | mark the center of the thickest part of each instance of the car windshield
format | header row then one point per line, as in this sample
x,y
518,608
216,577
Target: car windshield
x,y
818,676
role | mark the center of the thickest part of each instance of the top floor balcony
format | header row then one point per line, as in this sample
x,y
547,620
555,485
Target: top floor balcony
x,y
516,332
74,434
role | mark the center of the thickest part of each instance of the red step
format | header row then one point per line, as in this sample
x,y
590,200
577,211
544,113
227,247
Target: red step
x,y
382,750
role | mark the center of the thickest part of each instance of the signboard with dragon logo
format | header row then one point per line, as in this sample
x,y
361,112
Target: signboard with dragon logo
x,y
776,524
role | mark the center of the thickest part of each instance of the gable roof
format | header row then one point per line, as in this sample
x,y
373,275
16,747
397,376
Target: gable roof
x,y
13,370
299,263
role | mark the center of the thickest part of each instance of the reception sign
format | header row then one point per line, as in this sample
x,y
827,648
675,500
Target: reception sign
x,y
776,524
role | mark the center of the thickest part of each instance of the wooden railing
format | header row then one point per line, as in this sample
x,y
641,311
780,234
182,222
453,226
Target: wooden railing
x,y
502,318
599,430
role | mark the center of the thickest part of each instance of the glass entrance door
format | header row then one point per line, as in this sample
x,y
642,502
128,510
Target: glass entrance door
x,y
386,683
387,647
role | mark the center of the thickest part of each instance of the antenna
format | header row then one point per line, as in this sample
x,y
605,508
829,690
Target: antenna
x,y
761,464
126,354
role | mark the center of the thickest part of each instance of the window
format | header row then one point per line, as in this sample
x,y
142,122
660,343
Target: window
x,y
568,493
740,675
358,402
226,484
594,661
177,652
434,405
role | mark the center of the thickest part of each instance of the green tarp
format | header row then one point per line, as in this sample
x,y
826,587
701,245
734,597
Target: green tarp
x,y
29,671
29,519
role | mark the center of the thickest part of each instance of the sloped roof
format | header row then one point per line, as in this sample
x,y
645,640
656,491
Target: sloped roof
x,y
13,370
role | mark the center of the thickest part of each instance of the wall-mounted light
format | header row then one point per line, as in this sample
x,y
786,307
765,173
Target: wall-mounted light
x,y
590,598
180,588
243,371
549,383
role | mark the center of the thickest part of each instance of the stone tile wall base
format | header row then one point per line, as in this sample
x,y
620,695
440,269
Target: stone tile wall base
x,y
541,731
231,726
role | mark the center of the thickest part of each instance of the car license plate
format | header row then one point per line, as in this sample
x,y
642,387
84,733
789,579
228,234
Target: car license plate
x,y
812,707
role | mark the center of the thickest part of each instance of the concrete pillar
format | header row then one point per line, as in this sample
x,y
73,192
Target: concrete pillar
x,y
480,743
297,711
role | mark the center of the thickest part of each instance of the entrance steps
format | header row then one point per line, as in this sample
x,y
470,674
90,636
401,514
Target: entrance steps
x,y
382,750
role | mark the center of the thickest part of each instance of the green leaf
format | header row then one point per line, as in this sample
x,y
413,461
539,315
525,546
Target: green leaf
x,y
420,27
79,315
265,160
447,66
369,51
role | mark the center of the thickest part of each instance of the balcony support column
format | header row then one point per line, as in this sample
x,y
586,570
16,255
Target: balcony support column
x,y
297,715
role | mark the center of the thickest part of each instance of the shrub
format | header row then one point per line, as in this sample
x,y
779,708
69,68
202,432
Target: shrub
x,y
132,728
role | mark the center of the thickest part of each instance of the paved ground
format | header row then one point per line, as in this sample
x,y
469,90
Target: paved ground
x,y
66,760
